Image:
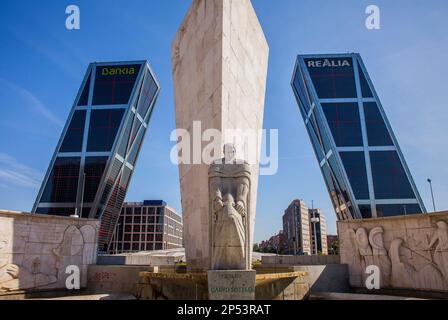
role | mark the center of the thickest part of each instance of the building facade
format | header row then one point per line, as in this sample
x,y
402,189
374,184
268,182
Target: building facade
x,y
147,226
318,226
275,244
95,158
360,159
296,229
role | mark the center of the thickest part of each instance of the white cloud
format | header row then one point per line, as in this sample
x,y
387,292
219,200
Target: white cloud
x,y
13,173
33,102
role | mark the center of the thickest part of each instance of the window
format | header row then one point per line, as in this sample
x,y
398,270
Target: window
x,y
317,145
389,210
85,212
94,168
389,178
355,166
303,96
365,88
104,125
137,143
376,128
332,78
125,140
366,211
147,94
65,212
62,184
114,84
149,237
84,98
75,133
344,123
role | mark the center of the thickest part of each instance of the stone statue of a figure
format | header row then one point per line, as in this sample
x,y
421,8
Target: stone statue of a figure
x,y
229,192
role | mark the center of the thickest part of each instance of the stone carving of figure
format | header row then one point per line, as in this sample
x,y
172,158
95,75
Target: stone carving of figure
x,y
89,250
365,251
14,277
364,248
380,256
350,256
229,186
441,254
403,274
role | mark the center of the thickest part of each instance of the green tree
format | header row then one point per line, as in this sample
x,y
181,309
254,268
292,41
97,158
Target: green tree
x,y
334,248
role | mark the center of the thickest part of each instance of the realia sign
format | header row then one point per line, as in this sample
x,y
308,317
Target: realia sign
x,y
326,63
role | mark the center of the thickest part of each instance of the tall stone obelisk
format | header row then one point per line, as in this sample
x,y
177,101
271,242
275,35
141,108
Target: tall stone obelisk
x,y
219,61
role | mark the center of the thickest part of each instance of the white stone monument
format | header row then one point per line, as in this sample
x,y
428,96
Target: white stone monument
x,y
219,61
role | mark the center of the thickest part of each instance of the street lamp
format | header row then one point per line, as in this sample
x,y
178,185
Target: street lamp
x,y
432,194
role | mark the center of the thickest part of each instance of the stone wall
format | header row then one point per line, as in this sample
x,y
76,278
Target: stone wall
x,y
35,250
284,260
411,252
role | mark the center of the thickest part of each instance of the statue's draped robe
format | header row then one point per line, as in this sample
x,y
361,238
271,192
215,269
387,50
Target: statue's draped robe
x,y
229,227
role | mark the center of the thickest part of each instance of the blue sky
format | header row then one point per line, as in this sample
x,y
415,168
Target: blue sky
x,y
42,65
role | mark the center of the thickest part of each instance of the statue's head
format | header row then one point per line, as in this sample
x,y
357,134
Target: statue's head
x,y
229,152
442,225
228,199
362,238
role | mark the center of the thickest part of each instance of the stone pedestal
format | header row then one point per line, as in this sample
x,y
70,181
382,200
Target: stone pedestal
x,y
231,285
219,62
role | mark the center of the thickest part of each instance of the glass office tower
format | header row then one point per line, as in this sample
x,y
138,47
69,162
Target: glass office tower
x,y
363,167
90,171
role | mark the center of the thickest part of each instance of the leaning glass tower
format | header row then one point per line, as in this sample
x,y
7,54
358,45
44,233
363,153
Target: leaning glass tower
x,y
91,168
360,159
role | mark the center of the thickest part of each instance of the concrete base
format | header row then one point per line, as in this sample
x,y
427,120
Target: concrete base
x,y
326,278
114,279
194,286
355,296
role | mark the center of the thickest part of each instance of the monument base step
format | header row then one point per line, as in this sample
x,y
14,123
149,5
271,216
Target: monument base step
x,y
355,296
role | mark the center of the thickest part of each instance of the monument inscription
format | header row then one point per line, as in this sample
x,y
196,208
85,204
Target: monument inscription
x,y
231,285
